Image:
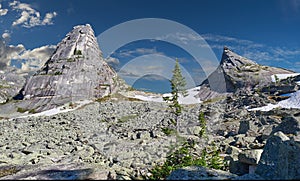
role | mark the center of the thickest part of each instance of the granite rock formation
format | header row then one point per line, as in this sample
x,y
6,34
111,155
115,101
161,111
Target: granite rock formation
x,y
76,71
237,72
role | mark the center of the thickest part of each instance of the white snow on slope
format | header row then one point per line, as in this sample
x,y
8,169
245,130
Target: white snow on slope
x,y
190,99
292,102
269,107
60,109
282,76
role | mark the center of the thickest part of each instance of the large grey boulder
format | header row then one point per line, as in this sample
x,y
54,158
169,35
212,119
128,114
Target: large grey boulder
x,y
200,173
76,71
280,158
250,157
289,125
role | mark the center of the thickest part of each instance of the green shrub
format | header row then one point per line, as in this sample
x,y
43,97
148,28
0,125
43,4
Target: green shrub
x,y
127,118
77,52
71,60
58,73
184,157
32,111
168,131
21,110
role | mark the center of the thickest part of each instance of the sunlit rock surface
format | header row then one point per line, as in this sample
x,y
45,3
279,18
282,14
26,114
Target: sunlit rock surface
x,y
76,71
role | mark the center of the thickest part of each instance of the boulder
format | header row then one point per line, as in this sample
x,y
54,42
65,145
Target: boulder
x,y
200,173
250,157
280,158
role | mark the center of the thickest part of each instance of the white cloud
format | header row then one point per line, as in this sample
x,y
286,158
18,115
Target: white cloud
x,y
5,35
24,17
13,3
226,39
30,17
8,52
185,39
35,58
3,11
138,52
48,18
112,60
153,64
31,59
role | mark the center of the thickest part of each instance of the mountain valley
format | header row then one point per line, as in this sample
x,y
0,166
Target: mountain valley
x,y
76,119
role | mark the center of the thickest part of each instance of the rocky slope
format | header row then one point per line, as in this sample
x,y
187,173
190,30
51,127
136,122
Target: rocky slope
x,y
122,139
76,71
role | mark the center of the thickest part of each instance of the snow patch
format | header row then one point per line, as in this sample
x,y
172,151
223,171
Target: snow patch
x,y
190,99
283,76
269,107
60,109
292,102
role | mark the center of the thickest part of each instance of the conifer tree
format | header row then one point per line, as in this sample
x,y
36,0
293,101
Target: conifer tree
x,y
178,84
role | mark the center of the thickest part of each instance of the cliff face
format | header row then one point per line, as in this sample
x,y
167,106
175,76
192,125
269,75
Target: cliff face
x,y
76,71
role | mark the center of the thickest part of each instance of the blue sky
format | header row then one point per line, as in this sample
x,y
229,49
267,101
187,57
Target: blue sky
x,y
267,32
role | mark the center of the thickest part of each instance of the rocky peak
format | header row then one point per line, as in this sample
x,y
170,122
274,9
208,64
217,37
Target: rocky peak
x,y
233,60
237,73
76,71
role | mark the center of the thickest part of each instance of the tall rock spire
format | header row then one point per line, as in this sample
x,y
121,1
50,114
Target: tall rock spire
x,y
76,71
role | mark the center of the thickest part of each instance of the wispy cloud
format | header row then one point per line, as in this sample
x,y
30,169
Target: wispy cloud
x,y
30,17
260,53
30,60
113,62
7,52
295,4
290,8
35,58
152,64
6,35
221,39
3,11
137,52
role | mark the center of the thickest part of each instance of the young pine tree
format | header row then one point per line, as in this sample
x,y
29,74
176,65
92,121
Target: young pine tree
x,y
178,84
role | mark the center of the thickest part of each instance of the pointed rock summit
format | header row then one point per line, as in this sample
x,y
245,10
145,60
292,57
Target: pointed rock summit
x,y
232,60
76,71
237,72
241,72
